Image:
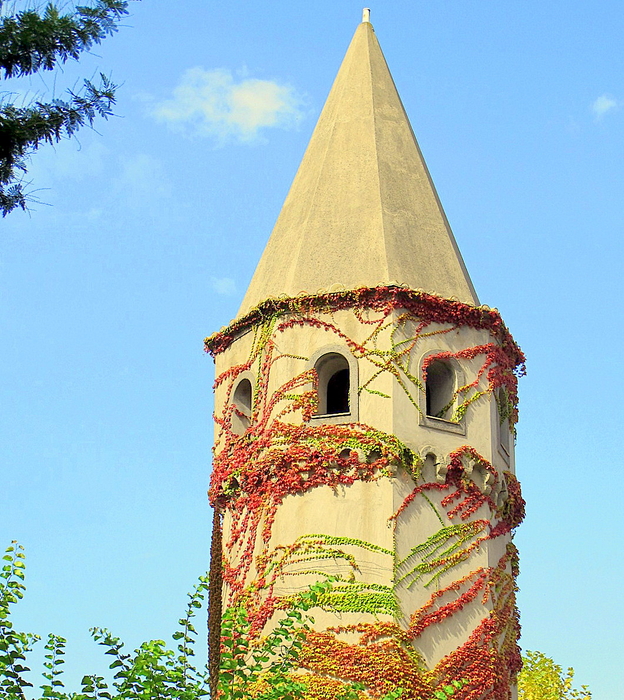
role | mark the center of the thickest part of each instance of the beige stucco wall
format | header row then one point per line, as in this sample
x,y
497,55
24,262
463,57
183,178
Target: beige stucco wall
x,y
397,416
363,510
362,209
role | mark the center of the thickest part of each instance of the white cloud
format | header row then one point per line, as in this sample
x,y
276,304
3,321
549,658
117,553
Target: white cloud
x,y
225,286
214,103
602,105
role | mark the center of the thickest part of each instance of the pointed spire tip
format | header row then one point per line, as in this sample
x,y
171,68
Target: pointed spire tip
x,y
362,210
366,14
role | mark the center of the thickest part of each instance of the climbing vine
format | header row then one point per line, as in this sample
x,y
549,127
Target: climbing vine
x,y
283,452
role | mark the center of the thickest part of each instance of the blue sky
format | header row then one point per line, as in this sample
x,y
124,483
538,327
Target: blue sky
x,y
148,233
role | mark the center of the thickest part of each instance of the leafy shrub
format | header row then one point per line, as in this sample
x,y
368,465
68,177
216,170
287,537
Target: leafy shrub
x,y
250,668
542,679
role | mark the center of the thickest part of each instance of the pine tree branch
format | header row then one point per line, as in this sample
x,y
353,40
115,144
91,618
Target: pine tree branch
x,y
24,129
30,41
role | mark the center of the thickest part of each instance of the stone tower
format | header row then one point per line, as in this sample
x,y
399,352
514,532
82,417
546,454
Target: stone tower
x,y
365,407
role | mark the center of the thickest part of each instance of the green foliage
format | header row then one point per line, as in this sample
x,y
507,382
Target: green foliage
x,y
342,593
55,649
32,41
353,692
439,553
262,668
449,690
151,672
542,679
13,645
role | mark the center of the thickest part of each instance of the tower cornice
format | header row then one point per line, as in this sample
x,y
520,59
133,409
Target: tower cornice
x,y
429,307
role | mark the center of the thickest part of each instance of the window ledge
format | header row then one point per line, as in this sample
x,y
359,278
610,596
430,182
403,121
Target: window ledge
x,y
442,424
333,418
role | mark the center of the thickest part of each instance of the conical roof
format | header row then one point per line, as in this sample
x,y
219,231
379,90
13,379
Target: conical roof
x,y
362,209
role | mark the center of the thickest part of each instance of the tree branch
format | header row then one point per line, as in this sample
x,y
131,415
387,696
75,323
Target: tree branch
x,y
24,129
30,41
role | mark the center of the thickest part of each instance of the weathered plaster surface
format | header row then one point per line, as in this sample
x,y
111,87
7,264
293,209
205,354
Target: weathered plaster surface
x,y
362,210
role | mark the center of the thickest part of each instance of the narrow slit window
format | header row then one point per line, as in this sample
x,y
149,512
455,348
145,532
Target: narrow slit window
x,y
504,429
334,383
505,436
429,468
440,389
242,401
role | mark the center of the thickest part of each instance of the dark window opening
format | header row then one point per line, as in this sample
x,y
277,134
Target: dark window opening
x,y
334,384
338,392
242,401
440,389
373,456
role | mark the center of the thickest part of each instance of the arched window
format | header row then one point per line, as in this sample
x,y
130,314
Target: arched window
x,y
334,383
428,469
440,388
242,401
